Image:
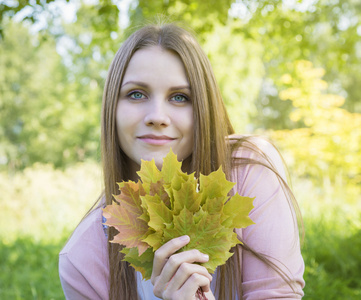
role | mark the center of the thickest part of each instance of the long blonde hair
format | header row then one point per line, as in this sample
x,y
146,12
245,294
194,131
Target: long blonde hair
x,y
210,150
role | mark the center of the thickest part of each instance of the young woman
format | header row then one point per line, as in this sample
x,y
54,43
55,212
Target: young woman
x,y
160,94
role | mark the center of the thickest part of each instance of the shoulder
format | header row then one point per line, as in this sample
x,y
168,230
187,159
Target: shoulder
x,y
83,262
275,232
259,173
250,145
85,233
256,153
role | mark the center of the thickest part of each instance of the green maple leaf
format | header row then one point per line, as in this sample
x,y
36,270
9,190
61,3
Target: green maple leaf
x,y
213,263
142,263
214,206
177,182
182,224
158,188
236,212
155,239
187,197
214,185
170,167
167,204
208,236
159,213
149,172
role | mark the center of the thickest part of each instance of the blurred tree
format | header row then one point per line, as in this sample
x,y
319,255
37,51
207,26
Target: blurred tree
x,y
239,70
50,103
200,15
277,32
34,8
324,32
43,115
236,60
26,71
251,44
327,144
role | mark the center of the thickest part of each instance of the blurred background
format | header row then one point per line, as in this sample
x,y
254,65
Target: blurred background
x,y
289,70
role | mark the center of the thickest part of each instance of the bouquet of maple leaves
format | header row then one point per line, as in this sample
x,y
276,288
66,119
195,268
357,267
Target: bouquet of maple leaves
x,y
168,203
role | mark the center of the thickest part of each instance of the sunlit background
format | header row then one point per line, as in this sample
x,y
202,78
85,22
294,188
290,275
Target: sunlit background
x,y
288,70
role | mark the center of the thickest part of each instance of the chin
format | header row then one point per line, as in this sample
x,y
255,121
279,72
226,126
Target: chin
x,y
159,163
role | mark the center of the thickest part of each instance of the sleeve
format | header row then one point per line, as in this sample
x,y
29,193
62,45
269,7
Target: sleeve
x,y
274,234
75,285
83,263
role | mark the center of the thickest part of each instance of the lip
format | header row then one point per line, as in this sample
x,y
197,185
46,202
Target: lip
x,y
155,139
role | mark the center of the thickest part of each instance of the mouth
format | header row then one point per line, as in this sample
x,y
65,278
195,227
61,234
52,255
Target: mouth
x,y
155,139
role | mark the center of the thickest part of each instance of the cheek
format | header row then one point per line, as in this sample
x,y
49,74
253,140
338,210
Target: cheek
x,y
186,123
119,119
124,116
122,124
189,125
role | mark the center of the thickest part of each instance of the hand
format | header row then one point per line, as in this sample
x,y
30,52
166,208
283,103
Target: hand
x,y
175,276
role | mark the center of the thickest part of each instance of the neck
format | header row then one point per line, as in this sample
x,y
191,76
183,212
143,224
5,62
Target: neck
x,y
132,169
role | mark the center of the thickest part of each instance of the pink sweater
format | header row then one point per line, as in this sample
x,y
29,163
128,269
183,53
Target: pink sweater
x,y
83,263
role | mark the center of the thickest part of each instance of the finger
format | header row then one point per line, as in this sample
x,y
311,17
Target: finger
x,y
163,253
185,271
209,295
176,260
172,267
190,287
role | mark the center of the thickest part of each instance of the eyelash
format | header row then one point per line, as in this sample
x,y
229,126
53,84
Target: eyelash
x,y
134,92
131,94
186,98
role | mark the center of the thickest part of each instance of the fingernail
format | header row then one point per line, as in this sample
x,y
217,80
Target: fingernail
x,y
205,256
184,238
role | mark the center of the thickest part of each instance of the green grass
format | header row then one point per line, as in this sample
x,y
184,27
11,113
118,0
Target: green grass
x,y
332,245
41,206
333,261
29,269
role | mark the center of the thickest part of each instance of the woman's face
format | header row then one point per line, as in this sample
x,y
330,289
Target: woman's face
x,y
154,111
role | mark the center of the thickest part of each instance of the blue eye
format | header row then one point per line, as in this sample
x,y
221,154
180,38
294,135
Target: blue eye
x,y
136,95
180,98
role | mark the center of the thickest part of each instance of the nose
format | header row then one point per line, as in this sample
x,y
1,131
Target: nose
x,y
157,115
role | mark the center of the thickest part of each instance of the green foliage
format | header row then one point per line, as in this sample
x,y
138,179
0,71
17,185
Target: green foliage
x,y
199,15
44,202
29,269
40,206
240,82
330,136
332,258
251,44
44,116
332,217
275,32
323,32
11,8
148,217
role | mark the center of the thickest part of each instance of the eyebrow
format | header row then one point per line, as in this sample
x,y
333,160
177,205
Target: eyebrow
x,y
142,84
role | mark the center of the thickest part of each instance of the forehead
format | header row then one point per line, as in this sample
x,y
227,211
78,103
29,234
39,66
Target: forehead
x,y
155,61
